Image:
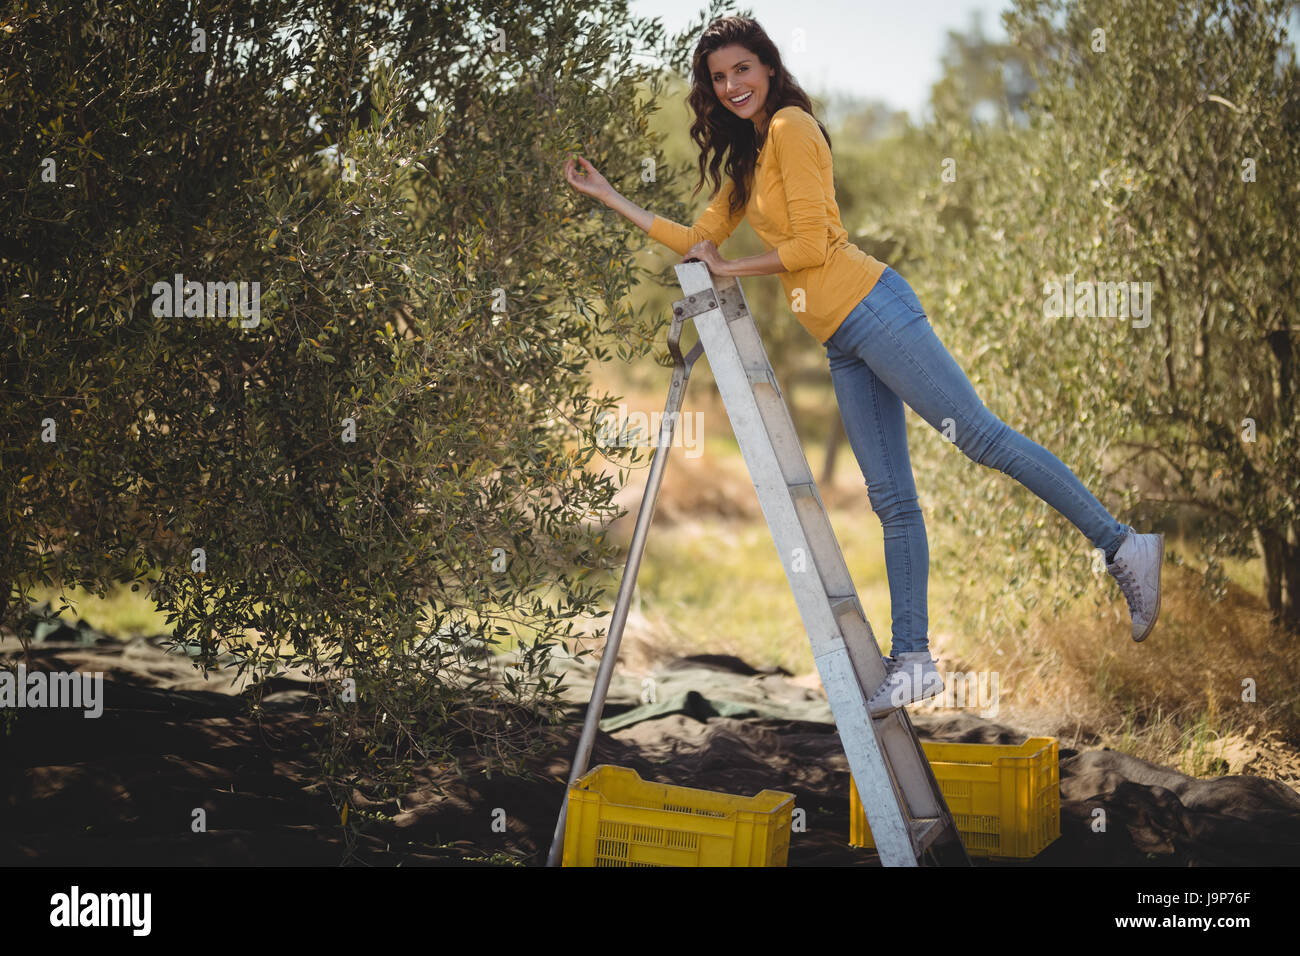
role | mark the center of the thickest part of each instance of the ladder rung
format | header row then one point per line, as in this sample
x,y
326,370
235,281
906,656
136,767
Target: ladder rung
x,y
925,831
841,605
761,376
803,489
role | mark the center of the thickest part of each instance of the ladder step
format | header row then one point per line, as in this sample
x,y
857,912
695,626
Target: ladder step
x,y
843,605
762,376
925,831
803,489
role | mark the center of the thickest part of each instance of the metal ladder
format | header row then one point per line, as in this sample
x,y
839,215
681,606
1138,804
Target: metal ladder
x,y
909,819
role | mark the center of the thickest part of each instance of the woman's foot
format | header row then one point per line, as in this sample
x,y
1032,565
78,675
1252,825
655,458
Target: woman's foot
x,y
1137,567
909,677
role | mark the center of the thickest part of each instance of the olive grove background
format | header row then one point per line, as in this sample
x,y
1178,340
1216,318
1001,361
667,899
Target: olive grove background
x,y
1129,142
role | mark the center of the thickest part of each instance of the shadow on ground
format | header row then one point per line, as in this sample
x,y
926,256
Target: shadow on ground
x,y
121,789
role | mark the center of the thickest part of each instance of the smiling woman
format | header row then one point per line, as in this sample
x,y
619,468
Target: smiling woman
x,y
880,347
752,116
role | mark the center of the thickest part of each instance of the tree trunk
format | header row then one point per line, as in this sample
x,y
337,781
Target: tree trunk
x,y
1282,575
1291,575
1272,545
833,441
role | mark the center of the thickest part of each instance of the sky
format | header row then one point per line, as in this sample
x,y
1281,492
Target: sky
x,y
871,49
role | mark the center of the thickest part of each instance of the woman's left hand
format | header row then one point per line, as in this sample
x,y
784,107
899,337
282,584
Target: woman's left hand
x,y
708,253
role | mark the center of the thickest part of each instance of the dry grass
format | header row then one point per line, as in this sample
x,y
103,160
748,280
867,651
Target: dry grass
x,y
1181,698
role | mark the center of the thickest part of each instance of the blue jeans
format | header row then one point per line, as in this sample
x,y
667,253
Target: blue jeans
x,y
885,354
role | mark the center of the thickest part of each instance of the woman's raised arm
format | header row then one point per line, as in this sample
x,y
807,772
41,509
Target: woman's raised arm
x,y
716,223
596,186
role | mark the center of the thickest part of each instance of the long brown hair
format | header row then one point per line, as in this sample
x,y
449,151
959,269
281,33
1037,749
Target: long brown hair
x,y
716,129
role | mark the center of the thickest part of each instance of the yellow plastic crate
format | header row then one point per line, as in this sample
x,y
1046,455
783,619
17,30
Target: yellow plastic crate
x,y
617,819
1004,798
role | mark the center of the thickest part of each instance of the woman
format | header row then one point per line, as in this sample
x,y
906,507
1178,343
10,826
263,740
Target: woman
x,y
880,346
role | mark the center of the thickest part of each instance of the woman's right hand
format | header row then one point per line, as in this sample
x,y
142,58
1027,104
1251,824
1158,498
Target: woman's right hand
x,y
593,184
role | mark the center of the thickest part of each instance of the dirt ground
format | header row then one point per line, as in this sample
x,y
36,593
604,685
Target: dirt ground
x,y
121,789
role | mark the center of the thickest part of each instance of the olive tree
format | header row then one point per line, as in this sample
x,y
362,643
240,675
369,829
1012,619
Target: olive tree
x,y
297,315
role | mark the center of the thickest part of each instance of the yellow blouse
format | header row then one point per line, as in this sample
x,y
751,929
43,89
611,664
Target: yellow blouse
x,y
792,209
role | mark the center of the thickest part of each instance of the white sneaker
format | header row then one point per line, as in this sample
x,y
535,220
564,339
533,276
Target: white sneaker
x,y
1137,567
909,678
